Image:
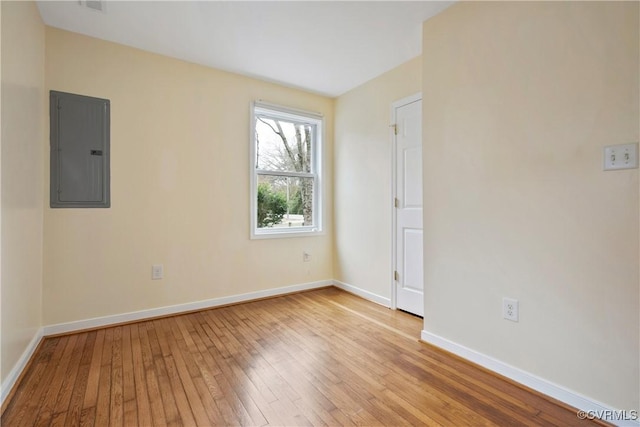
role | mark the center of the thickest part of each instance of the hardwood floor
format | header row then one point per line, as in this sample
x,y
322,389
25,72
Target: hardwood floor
x,y
323,357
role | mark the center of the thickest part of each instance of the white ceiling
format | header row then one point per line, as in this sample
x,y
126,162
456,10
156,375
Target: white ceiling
x,y
327,47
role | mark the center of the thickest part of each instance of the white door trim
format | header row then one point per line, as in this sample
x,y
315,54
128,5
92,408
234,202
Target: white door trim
x,y
396,104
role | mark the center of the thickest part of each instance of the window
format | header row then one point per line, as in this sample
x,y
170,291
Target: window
x,y
285,172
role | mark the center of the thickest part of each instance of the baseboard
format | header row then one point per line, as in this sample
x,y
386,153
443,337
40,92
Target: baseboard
x,y
578,401
97,322
18,368
362,293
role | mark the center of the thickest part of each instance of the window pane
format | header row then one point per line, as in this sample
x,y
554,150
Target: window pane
x,y
284,202
283,145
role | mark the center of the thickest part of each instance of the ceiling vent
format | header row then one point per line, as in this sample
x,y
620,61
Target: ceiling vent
x,y
97,5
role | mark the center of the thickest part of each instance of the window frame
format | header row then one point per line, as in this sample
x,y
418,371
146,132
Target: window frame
x,y
268,110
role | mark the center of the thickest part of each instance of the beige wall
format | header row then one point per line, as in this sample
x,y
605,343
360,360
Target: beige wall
x,y
22,156
363,178
179,188
519,100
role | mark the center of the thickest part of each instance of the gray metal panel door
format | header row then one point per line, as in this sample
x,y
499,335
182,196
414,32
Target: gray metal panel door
x,y
79,151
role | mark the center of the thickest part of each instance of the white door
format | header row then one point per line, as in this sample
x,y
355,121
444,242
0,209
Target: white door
x,y
408,275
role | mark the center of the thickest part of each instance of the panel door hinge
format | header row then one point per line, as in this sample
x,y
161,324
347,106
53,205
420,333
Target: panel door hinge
x,y
396,202
396,276
395,128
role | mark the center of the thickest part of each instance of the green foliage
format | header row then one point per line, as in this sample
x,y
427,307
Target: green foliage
x,y
295,204
272,206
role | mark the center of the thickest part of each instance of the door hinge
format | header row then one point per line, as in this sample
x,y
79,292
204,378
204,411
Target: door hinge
x,y
396,202
395,129
396,276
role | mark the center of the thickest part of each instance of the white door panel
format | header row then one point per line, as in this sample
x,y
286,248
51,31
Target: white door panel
x,y
412,165
412,251
409,281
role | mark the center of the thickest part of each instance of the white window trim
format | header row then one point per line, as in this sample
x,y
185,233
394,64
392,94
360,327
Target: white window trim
x,y
295,115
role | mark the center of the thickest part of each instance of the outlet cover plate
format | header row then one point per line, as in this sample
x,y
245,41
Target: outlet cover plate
x,y
157,272
510,309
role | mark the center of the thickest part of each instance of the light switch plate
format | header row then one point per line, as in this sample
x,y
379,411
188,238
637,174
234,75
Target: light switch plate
x,y
623,156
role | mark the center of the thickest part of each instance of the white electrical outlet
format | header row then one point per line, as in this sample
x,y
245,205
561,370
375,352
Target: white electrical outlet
x,y
623,156
306,256
510,309
157,272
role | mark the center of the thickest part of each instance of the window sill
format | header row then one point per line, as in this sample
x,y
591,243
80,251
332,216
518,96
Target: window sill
x,y
258,235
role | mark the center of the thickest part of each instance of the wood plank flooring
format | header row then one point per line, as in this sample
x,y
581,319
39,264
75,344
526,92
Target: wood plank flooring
x,y
323,357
